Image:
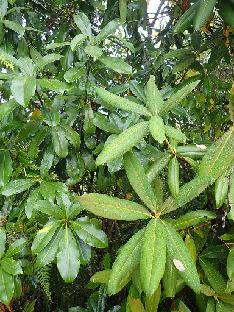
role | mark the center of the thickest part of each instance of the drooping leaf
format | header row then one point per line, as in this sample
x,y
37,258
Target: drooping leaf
x,y
101,277
179,255
47,59
23,89
157,129
138,180
125,263
230,264
72,136
123,143
153,256
5,167
36,142
68,257
47,161
17,186
52,84
87,231
122,103
113,208
117,64
154,99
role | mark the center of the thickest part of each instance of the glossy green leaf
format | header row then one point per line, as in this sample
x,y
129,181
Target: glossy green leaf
x,y
177,97
223,307
210,305
186,19
83,23
2,241
49,208
47,59
157,129
117,64
16,247
89,233
101,277
122,103
170,278
138,179
173,176
11,266
74,74
23,89
68,262
122,143
72,136
47,161
113,208
152,302
125,263
6,108
77,41
153,256
36,142
221,190
154,99
193,151
60,142
214,276
17,186
158,166
230,264
179,255
204,10
6,287
5,167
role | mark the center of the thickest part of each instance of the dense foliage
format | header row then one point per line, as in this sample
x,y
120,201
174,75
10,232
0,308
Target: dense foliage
x,y
117,156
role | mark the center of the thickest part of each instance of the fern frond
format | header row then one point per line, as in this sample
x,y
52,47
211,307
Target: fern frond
x,y
43,276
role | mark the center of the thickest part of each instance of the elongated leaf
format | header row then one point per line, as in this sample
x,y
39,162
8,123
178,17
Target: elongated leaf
x,y
5,167
93,51
193,218
153,256
177,97
36,142
125,263
109,29
87,231
74,74
210,305
6,108
17,186
83,23
123,10
152,302
52,84
218,157
186,19
158,166
101,277
173,177
154,99
77,41
193,151
102,122
175,134
72,136
3,8
157,129
214,277
122,103
2,241
181,258
47,59
49,208
117,64
11,266
23,89
137,90
204,10
60,142
170,278
113,208
14,26
6,287
223,307
122,143
47,161
221,190
138,180
230,264
68,257
16,247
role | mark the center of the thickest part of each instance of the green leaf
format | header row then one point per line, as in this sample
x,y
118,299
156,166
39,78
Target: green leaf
x,y
186,19
158,166
47,161
89,233
49,208
77,41
223,307
6,108
177,97
14,26
192,218
154,99
204,10
101,277
74,74
170,278
72,136
221,190
175,134
218,157
173,176
83,23
3,8
210,305
55,45
68,262
113,208
17,186
214,276
60,142
16,247
152,302
157,129
93,51
179,255
6,287
117,64
193,151
123,143
2,241
5,167
230,264
52,84
109,29
138,180
36,142
105,124
153,256
23,89
125,263
137,90
123,10
11,266
122,103
47,59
